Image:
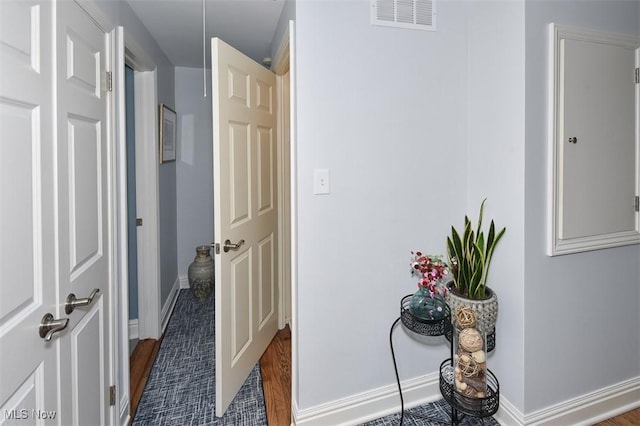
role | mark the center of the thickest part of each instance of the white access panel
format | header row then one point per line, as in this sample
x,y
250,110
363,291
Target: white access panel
x,y
594,151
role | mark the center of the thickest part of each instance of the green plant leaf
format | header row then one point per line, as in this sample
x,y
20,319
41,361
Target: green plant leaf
x,y
481,215
491,248
473,251
456,251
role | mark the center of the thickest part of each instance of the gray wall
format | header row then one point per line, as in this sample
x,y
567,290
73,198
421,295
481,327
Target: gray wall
x,y
385,110
194,166
416,129
288,13
572,301
121,14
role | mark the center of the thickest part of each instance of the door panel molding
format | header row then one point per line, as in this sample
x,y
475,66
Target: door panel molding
x,y
593,169
244,178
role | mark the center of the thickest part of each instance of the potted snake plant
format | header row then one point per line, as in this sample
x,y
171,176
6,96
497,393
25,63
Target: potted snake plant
x,y
470,254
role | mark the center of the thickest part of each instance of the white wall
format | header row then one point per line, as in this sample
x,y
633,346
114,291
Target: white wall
x,y
581,310
194,164
385,111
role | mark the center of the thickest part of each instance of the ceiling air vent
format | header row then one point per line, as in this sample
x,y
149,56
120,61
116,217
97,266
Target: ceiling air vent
x,y
415,14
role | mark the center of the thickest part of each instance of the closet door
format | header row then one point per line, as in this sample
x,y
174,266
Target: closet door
x,y
596,145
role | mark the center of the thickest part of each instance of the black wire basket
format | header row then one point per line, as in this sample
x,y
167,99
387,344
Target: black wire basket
x,y
421,326
476,407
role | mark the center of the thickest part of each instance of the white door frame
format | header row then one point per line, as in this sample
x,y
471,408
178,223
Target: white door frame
x,y
286,59
281,66
128,52
147,202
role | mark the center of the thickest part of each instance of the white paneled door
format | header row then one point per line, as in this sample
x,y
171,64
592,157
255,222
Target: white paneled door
x,y
245,216
55,220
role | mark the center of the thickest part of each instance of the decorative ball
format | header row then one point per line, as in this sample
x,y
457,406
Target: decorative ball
x,y
468,366
466,317
479,356
470,340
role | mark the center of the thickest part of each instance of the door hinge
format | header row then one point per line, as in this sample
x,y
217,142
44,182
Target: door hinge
x,y
637,75
637,203
109,81
112,395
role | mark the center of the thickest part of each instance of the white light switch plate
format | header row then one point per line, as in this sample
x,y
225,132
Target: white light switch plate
x,y
321,181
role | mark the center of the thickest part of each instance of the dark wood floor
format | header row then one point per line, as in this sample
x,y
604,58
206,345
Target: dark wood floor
x,y
275,367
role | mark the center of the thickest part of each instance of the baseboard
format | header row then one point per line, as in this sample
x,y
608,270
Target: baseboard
x,y
590,408
508,414
370,405
167,309
582,411
125,417
133,329
184,281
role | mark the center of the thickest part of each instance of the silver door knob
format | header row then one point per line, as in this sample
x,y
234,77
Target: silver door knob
x,y
72,302
228,245
50,326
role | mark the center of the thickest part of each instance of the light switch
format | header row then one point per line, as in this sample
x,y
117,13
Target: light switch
x,y
321,181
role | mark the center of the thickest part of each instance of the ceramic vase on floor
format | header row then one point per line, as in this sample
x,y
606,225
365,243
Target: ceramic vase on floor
x,y
201,273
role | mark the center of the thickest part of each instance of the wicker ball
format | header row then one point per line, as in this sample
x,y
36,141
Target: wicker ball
x,y
468,366
470,340
465,317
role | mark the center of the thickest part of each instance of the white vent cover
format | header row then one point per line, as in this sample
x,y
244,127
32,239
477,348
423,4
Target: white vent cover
x,y
415,14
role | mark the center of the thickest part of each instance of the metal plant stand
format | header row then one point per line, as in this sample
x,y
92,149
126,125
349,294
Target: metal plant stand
x,y
461,406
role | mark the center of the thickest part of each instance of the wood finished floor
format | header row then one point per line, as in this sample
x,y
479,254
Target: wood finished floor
x,y
276,380
275,366
631,418
140,364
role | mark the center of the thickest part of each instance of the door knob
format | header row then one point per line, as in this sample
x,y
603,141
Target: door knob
x,y
228,245
72,302
50,326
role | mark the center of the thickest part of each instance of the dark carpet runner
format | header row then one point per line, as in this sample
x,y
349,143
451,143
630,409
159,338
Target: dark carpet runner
x,y
181,386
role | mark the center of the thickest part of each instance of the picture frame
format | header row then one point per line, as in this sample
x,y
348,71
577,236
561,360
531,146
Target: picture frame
x,y
168,124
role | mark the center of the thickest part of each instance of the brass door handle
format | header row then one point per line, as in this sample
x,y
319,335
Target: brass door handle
x,y
50,326
72,302
228,245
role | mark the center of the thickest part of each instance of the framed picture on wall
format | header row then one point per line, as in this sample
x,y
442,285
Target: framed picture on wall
x,y
168,124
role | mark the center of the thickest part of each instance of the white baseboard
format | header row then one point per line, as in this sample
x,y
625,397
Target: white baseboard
x,y
371,405
583,411
125,417
133,329
590,408
184,281
167,309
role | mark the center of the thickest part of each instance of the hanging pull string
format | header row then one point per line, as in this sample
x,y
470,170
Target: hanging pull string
x,y
204,47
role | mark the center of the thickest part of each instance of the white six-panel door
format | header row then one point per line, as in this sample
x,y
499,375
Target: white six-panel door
x,y
245,213
84,154
28,364
55,214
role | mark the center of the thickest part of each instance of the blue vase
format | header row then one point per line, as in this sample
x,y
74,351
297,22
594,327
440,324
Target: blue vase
x,y
425,307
